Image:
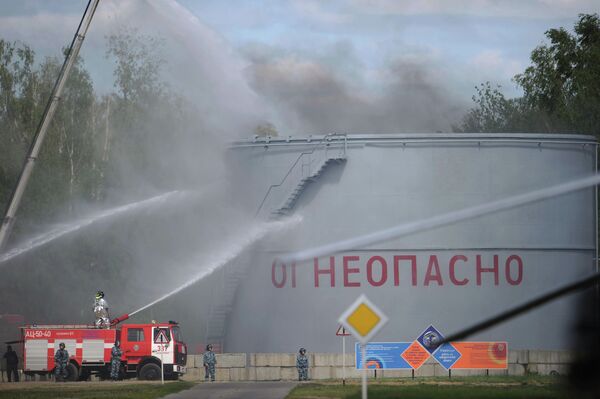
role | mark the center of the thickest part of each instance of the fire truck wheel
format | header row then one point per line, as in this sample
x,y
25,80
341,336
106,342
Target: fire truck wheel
x,y
85,375
72,372
150,372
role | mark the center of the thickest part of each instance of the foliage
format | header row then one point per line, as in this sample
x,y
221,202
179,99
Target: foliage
x,y
17,85
148,122
561,88
137,65
95,145
65,172
494,113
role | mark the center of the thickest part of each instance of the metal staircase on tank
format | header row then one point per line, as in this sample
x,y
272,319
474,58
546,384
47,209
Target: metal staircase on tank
x,y
281,198
224,292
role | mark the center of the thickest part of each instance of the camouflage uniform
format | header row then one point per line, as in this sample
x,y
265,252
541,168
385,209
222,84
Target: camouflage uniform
x,y
115,362
209,361
61,359
302,366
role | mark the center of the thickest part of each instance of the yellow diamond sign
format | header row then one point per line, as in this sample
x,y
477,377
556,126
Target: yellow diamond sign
x,y
363,319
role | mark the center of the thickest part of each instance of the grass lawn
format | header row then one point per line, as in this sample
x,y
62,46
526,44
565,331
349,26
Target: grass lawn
x,y
92,390
432,388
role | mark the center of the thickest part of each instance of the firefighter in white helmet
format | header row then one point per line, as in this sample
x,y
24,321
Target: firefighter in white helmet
x,y
101,311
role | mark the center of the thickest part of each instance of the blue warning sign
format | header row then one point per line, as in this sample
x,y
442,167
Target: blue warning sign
x,y
447,355
430,339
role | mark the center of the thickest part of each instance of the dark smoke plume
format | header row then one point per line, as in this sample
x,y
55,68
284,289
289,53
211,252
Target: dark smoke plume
x,y
320,95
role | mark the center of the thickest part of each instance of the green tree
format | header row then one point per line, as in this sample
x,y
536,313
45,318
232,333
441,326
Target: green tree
x,y
17,113
561,88
65,173
494,113
138,64
152,129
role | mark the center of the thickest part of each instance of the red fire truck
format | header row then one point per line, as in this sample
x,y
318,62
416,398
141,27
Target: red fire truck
x,y
144,347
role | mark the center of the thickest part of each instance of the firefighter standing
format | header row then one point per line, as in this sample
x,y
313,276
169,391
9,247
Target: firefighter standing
x,y
101,311
209,359
61,359
12,362
302,365
115,361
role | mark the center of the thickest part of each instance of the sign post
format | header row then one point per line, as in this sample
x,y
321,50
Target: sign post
x,y
363,319
341,332
161,342
162,369
343,360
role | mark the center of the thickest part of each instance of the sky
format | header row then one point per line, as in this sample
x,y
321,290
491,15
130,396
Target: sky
x,y
313,66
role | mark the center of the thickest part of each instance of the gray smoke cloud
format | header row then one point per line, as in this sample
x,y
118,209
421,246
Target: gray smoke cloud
x,y
331,94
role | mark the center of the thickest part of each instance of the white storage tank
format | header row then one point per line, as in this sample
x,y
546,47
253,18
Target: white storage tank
x,y
451,277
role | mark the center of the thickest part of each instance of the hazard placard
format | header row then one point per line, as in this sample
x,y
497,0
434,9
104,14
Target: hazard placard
x,y
162,336
341,332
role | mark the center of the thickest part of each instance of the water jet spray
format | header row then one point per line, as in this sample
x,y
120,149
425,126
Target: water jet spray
x,y
257,232
54,234
444,219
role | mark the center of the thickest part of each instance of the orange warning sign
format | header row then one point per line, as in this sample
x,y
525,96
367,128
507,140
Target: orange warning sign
x,y
481,355
415,355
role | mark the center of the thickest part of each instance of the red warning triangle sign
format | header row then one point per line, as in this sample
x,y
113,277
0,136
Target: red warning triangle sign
x,y
341,332
161,337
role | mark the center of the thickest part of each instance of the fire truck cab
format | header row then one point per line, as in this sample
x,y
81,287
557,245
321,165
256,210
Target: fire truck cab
x,y
144,348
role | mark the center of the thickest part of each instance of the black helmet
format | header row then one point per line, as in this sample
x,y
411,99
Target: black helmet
x,y
61,345
117,343
99,294
302,351
209,347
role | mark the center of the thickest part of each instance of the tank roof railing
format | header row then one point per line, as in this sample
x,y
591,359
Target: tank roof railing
x,y
437,138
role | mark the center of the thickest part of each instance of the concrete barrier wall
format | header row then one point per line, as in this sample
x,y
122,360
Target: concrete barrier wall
x,y
282,366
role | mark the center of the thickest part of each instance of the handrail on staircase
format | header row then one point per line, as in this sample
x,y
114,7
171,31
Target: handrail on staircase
x,y
315,147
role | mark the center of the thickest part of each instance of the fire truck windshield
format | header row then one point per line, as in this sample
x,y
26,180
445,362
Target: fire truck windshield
x,y
176,334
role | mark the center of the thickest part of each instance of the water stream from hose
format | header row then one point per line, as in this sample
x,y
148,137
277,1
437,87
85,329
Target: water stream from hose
x,y
443,219
231,250
63,230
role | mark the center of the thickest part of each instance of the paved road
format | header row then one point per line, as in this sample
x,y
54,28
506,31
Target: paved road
x,y
236,390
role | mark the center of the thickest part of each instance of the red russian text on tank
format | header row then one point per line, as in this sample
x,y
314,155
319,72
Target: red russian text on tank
x,y
355,271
